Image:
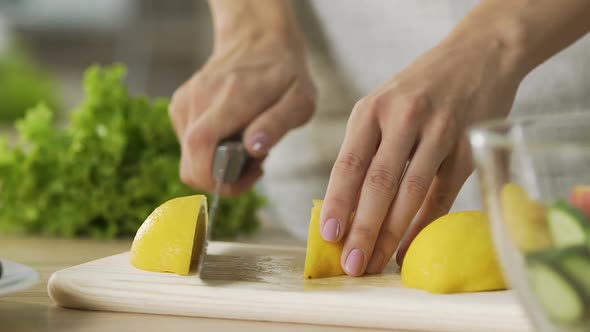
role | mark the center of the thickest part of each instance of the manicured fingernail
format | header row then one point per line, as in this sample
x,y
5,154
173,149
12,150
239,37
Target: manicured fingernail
x,y
354,262
376,262
331,230
259,141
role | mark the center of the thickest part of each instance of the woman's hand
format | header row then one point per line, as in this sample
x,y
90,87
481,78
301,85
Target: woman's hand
x,y
405,155
256,81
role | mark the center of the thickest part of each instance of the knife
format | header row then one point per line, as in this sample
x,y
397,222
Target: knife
x,y
230,161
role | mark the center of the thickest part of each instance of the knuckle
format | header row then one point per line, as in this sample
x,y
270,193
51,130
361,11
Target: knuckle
x,y
415,109
335,204
234,83
445,130
442,202
389,238
350,162
371,102
416,186
374,105
192,137
410,116
382,180
417,100
365,233
198,137
365,103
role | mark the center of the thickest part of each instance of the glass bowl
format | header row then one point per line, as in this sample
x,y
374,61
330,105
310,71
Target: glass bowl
x,y
534,174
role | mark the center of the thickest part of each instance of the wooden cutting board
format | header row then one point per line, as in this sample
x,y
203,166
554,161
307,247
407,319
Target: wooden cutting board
x,y
266,283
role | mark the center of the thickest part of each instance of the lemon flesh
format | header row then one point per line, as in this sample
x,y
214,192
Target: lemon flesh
x,y
322,259
172,236
453,254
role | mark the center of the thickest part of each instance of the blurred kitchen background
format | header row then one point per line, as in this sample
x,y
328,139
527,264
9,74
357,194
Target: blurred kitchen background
x,y
161,42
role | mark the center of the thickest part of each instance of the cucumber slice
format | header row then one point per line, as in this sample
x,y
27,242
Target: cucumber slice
x,y
576,264
560,279
556,294
568,225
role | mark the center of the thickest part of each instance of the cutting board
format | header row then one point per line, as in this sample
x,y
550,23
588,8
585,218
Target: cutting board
x,y
266,283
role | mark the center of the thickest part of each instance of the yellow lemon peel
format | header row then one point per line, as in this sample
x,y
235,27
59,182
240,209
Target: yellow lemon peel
x,y
322,259
453,254
172,236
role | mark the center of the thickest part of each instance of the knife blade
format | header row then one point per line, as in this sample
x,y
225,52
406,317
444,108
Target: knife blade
x,y
230,162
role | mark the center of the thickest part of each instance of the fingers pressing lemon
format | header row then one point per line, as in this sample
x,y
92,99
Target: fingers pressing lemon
x,y
452,254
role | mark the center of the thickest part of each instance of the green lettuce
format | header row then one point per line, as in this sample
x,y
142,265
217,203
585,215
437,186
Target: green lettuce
x,y
105,171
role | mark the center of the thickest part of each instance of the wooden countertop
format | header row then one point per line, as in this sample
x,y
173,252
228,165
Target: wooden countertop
x,y
33,310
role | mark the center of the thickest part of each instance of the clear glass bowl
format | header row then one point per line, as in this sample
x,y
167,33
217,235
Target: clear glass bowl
x,y
535,179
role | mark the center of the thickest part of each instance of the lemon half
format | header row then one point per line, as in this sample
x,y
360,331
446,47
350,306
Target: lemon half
x,y
453,254
172,236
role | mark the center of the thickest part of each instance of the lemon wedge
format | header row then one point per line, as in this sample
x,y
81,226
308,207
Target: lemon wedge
x,y
453,254
172,236
322,258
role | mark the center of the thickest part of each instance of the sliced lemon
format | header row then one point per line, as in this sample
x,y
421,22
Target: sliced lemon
x,y
172,236
322,259
453,254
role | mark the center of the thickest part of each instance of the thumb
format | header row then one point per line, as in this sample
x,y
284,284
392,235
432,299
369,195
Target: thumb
x,y
292,110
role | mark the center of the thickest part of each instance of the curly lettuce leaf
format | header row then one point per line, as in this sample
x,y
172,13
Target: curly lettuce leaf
x,y
101,175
